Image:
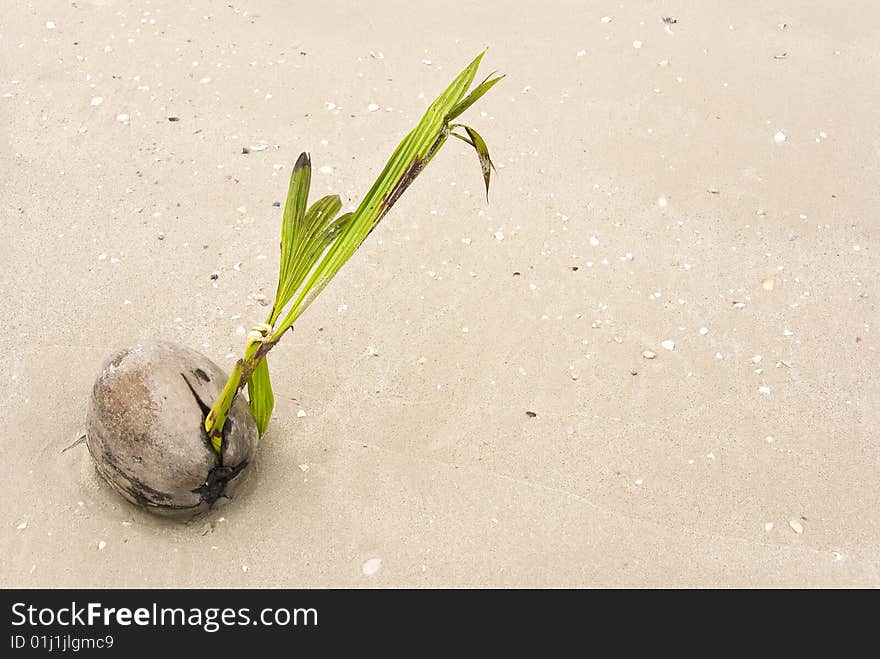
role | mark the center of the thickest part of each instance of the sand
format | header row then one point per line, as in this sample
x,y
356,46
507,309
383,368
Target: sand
x,y
706,194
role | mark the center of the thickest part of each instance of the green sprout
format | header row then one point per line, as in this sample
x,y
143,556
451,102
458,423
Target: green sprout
x,y
316,243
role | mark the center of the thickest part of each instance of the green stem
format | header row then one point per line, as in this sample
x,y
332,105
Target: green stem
x,y
255,351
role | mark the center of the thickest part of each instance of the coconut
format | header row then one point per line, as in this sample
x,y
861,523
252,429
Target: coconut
x,y
145,429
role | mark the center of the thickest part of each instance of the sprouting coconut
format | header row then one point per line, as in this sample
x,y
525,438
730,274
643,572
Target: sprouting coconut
x,y
145,429
166,426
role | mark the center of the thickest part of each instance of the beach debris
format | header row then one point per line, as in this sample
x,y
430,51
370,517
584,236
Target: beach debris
x,y
531,414
301,414
768,526
637,44
22,526
372,107
668,344
605,19
764,389
669,20
101,545
594,242
649,354
97,100
780,137
215,275
173,118
796,526
767,283
371,567
704,331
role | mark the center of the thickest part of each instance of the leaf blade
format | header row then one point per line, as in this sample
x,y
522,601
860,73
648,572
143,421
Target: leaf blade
x,y
474,96
260,395
482,150
292,220
407,161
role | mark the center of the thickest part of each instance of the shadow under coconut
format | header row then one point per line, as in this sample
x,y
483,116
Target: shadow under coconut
x,y
103,497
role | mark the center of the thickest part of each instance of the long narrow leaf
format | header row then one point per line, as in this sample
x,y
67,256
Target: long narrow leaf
x,y
474,96
307,249
407,161
291,224
482,150
314,245
260,394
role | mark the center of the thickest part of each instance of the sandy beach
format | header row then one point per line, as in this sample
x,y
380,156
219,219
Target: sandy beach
x,y
649,360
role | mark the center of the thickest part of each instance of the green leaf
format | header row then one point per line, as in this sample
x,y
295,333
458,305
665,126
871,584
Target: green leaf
x,y
474,96
311,241
292,222
406,163
260,395
482,150
314,245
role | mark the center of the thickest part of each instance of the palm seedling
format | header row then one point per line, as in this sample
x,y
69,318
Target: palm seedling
x,y
166,427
